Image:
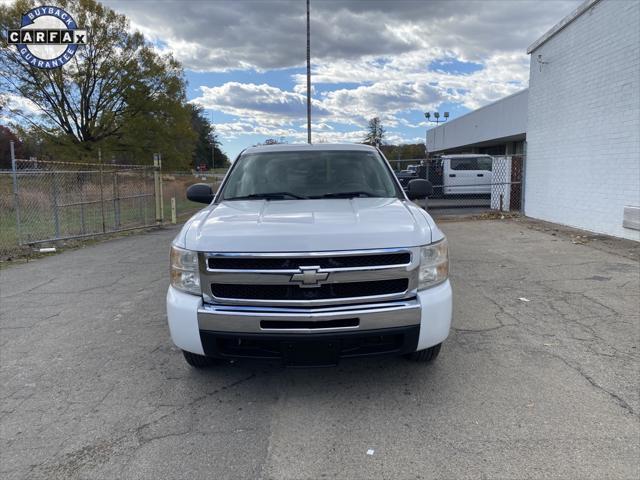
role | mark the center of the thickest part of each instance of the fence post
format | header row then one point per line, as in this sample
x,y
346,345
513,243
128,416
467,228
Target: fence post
x,y
142,201
16,197
116,200
156,186
83,224
161,192
54,199
173,210
523,174
104,229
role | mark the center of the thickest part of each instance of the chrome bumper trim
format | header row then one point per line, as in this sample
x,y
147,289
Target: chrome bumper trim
x,y
229,318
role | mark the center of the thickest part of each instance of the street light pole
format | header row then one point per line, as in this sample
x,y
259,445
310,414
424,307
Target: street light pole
x,y
436,116
308,76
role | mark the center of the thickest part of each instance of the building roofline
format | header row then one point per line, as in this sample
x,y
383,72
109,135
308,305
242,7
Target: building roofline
x,y
483,143
583,7
444,124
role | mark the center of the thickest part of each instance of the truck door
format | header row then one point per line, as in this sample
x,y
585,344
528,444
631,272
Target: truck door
x,y
468,175
484,175
458,177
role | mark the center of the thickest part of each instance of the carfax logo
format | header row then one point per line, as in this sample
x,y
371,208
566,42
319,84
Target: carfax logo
x,y
48,37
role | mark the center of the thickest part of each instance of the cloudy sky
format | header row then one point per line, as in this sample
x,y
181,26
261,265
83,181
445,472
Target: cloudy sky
x,y
245,60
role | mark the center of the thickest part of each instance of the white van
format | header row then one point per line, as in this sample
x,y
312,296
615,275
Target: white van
x,y
467,174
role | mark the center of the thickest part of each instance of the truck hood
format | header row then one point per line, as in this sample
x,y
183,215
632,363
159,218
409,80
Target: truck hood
x,y
308,225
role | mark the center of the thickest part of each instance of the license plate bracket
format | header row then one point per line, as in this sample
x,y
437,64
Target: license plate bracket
x,y
313,353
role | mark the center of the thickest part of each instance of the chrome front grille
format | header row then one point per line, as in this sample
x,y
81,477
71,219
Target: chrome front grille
x,y
323,292
318,278
287,263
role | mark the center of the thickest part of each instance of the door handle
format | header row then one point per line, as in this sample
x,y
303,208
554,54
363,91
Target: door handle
x,y
481,174
452,174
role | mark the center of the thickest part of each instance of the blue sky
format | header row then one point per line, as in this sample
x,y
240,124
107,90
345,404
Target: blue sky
x,y
244,60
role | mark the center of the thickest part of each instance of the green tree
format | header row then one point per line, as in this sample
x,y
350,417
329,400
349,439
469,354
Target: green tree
x,y
375,132
116,93
404,151
206,137
6,137
272,141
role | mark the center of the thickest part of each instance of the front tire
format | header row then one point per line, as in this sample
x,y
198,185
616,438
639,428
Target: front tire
x,y
198,361
427,355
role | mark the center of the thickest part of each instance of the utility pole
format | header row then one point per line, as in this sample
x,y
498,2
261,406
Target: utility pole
x,y
308,76
213,143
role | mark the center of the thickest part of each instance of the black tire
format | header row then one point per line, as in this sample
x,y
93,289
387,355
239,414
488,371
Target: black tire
x,y
426,355
198,361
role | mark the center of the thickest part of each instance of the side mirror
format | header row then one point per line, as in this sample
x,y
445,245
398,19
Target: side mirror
x,y
200,192
419,188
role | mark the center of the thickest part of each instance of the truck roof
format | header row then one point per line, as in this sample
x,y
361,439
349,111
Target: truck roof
x,y
304,147
466,155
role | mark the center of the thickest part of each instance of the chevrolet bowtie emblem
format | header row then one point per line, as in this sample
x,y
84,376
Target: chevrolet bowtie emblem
x,y
309,277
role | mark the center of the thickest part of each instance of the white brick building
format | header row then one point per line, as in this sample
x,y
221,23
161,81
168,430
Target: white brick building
x,y
583,121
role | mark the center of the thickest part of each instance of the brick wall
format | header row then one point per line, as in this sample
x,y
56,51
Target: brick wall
x,y
583,125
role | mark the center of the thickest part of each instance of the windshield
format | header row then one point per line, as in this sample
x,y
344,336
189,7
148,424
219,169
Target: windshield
x,y
308,175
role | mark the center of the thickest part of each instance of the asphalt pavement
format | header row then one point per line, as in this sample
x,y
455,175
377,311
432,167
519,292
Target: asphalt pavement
x,y
539,378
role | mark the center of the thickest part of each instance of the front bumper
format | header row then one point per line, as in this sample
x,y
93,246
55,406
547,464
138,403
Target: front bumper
x,y
420,322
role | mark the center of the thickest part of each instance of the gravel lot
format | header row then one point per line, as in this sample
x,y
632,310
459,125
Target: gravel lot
x,y
93,388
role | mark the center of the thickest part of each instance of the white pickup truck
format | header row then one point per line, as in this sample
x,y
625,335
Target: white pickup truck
x,y
308,254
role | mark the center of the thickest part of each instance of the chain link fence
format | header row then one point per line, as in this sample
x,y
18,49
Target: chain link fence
x,y
58,200
47,201
174,186
469,183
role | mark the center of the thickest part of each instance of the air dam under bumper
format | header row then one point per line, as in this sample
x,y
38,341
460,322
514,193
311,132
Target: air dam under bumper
x,y
201,328
319,349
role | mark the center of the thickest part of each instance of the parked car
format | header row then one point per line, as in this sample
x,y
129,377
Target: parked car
x,y
308,254
405,176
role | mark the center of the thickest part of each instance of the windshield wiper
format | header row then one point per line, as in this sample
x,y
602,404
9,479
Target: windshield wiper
x,y
348,194
268,196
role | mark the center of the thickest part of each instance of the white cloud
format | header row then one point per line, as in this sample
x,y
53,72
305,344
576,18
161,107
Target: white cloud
x,y
16,106
386,67
215,36
265,103
321,132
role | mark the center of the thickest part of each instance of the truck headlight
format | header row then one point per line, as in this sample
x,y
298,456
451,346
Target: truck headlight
x,y
434,264
185,275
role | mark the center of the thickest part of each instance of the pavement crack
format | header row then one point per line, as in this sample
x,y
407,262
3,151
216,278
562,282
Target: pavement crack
x,y
614,396
30,289
220,389
145,440
479,330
